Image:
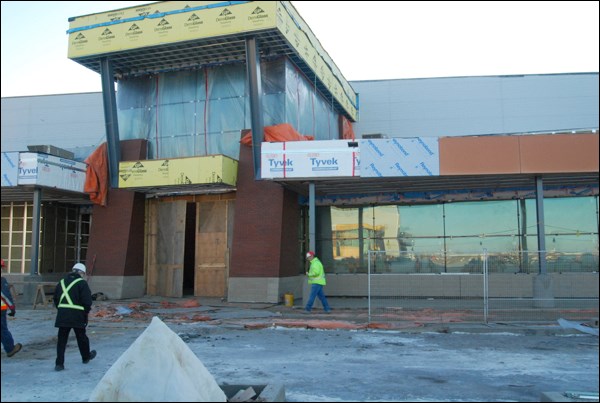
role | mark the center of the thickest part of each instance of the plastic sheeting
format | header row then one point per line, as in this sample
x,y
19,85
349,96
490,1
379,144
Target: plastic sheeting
x,y
202,112
158,367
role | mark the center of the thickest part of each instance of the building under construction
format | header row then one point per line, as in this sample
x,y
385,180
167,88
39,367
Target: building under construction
x,y
226,143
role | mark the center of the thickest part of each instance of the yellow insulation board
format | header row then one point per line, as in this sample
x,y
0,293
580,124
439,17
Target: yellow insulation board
x,y
212,169
168,22
163,23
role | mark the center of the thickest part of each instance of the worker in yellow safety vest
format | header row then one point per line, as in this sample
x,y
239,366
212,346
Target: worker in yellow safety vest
x,y
73,299
316,279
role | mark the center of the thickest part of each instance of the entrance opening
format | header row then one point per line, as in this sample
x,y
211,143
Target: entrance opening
x,y
189,258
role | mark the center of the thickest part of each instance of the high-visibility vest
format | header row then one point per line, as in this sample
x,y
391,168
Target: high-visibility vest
x,y
65,296
5,302
316,273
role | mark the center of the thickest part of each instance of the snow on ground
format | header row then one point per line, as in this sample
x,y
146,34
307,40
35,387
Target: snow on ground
x,y
340,365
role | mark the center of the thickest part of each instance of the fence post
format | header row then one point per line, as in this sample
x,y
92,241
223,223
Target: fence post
x,y
369,284
485,286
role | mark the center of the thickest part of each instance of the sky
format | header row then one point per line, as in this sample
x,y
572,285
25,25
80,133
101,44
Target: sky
x,y
372,40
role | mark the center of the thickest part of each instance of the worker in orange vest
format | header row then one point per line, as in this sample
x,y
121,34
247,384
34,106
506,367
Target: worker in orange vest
x,y
8,308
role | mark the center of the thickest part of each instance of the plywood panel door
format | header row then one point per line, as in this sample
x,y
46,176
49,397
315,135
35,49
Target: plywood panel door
x,y
170,243
211,250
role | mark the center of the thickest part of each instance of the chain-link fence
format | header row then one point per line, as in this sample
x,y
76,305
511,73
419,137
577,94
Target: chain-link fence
x,y
482,287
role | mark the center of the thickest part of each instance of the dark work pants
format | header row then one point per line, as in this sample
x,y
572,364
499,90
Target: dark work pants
x,y
82,342
7,340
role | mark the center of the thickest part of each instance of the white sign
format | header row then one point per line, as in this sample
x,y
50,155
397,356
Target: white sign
x,y
51,171
309,159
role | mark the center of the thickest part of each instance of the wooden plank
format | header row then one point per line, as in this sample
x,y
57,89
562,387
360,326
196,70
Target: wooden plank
x,y
170,245
170,280
211,249
40,293
152,274
210,281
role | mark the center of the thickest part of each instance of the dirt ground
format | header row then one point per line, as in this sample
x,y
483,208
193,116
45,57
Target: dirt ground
x,y
316,357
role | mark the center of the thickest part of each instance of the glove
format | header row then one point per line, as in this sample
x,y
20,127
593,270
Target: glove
x,y
12,312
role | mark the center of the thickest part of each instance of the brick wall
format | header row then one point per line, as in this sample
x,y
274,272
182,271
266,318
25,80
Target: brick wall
x,y
265,234
117,232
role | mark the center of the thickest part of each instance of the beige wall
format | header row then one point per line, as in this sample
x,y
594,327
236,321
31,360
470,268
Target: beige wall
x,y
570,285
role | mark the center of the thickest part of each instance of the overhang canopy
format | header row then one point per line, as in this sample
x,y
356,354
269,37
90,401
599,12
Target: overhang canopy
x,y
347,191
164,36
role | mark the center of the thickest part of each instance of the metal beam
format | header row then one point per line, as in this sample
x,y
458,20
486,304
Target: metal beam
x,y
35,231
255,88
539,204
111,120
312,218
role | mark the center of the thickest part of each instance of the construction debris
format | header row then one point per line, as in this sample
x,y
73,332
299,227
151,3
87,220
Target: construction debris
x,y
582,327
244,395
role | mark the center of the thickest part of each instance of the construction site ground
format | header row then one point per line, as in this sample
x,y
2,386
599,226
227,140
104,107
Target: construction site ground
x,y
417,355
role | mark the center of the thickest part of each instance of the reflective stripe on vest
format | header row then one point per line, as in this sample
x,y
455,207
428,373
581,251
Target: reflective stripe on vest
x,y
65,295
4,302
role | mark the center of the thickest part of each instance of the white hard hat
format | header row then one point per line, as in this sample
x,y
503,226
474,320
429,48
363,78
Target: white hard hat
x,y
79,267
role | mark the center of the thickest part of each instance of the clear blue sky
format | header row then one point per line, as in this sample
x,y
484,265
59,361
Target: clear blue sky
x,y
367,40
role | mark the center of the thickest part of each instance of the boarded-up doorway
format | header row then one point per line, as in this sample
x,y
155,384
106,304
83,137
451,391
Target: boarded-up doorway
x,y
212,252
188,247
166,243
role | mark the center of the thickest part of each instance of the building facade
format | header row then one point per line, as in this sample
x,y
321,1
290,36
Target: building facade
x,y
514,175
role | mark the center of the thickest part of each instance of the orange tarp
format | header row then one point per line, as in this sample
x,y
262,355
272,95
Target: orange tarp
x,y
347,130
96,176
277,133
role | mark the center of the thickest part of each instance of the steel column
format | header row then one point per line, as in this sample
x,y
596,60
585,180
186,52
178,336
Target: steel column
x,y
312,218
255,88
111,120
35,231
539,204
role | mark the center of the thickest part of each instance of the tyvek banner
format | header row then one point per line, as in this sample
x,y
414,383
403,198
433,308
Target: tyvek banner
x,y
51,171
309,159
415,156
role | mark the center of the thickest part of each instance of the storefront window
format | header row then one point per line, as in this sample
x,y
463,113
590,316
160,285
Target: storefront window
x,y
452,237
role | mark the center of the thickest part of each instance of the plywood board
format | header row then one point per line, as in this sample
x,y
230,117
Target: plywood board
x,y
170,244
211,249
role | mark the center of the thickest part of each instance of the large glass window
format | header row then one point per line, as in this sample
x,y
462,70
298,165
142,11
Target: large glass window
x,y
64,236
452,237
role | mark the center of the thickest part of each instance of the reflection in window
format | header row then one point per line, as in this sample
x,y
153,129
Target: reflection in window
x,y
451,237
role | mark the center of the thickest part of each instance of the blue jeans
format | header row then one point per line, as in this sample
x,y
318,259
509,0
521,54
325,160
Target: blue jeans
x,y
316,290
7,340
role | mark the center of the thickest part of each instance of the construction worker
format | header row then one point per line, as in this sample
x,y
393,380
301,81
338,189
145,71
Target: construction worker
x,y
316,279
8,308
73,299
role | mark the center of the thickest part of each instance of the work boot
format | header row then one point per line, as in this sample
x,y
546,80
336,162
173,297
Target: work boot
x,y
59,367
15,350
91,357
